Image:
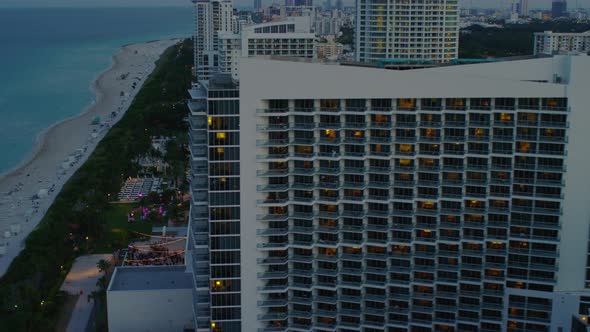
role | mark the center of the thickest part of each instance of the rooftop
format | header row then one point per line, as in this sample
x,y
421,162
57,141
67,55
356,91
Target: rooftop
x,y
130,278
512,77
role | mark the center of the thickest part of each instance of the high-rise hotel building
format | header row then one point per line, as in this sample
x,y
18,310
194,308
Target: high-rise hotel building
x,y
290,37
212,17
340,198
407,30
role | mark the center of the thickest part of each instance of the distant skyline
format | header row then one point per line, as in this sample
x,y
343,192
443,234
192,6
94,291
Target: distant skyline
x,y
248,3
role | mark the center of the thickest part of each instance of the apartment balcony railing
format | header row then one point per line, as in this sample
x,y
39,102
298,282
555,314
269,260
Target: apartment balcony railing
x,y
479,123
459,124
380,125
554,124
431,124
379,140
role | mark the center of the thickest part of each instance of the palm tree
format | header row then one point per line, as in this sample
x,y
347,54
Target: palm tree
x,y
102,284
103,265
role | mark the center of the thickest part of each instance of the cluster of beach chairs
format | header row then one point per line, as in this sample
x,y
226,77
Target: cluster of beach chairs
x,y
136,188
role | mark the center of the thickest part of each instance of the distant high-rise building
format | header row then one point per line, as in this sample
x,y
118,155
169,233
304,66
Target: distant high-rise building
x,y
257,4
298,3
211,17
558,8
328,5
515,7
412,30
290,37
523,9
339,4
514,10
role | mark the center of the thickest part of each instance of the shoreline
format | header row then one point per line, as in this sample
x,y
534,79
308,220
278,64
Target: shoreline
x,y
43,171
97,93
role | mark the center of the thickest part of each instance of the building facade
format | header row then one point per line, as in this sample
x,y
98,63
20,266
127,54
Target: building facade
x,y
549,42
524,8
398,29
298,3
389,200
558,8
289,37
214,233
329,50
211,18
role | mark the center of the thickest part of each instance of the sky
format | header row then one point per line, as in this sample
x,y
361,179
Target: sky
x,y
241,3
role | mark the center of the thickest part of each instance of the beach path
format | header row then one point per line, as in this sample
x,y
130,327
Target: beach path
x,y
82,280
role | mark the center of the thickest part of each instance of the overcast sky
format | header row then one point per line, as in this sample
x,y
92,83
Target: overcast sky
x,y
241,3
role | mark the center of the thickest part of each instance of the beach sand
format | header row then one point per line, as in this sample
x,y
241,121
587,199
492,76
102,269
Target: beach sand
x,y
62,148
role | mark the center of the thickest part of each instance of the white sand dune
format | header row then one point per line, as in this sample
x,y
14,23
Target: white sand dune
x,y
52,161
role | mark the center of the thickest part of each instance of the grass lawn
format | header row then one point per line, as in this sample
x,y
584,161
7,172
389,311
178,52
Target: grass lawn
x,y
119,232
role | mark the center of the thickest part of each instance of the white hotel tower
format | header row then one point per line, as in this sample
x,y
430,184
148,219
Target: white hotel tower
x,y
212,17
340,198
407,29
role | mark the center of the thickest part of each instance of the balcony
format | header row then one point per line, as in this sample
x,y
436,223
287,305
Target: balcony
x,y
272,111
272,231
379,140
272,217
329,140
272,142
430,124
272,246
272,127
405,124
380,125
457,124
548,124
271,316
405,139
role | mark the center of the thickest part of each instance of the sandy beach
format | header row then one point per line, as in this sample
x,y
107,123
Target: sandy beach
x,y
27,191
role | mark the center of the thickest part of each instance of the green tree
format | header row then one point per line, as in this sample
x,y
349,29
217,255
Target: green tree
x,y
103,266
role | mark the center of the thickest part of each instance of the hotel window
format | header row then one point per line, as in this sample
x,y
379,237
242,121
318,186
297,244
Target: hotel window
x,y
406,104
480,103
528,103
456,103
330,104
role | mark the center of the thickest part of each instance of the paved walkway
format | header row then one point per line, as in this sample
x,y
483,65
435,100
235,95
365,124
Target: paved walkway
x,y
82,280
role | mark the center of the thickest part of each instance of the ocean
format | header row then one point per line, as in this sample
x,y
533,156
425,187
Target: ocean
x,y
50,56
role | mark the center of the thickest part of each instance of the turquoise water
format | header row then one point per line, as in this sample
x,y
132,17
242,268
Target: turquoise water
x,y
49,57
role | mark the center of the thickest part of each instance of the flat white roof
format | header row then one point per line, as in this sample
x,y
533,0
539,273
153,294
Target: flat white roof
x,y
132,278
521,78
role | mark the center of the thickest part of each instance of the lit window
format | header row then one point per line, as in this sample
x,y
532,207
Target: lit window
x,y
405,148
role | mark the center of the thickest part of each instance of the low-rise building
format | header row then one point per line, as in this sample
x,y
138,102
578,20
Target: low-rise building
x,y
150,298
329,50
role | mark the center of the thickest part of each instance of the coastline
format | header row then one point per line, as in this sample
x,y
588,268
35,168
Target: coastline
x,y
72,140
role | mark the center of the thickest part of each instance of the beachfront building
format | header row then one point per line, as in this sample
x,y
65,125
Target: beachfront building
x,y
211,18
416,30
289,37
214,241
372,199
549,42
